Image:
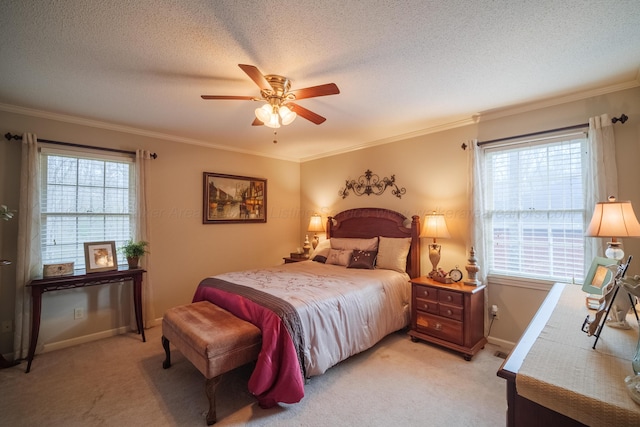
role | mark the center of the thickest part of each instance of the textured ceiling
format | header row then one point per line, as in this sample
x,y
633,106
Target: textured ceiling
x,y
403,67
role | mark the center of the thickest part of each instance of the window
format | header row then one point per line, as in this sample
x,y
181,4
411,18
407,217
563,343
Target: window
x,y
84,198
535,209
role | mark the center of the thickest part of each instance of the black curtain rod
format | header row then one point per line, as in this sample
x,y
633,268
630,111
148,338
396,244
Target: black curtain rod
x,y
10,136
623,118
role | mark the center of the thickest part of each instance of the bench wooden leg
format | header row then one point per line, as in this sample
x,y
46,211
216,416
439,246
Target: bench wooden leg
x,y
210,386
167,361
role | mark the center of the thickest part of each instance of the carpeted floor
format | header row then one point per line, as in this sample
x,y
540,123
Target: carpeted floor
x,y
120,382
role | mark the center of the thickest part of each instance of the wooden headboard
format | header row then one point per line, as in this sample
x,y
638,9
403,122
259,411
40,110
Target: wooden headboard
x,y
365,223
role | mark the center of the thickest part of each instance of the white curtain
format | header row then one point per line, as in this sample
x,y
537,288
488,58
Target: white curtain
x,y
476,205
142,233
476,223
601,177
29,259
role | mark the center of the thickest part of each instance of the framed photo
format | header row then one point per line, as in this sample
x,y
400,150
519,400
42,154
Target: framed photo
x,y
233,199
100,256
599,275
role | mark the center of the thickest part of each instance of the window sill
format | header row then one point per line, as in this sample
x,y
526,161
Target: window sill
x,y
520,282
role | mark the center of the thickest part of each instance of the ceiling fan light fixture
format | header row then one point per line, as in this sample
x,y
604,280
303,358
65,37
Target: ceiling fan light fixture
x,y
286,115
274,121
275,91
264,113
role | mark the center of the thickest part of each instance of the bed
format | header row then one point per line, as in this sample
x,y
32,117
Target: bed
x,y
352,292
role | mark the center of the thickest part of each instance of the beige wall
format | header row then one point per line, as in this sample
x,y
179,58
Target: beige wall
x,y
183,250
434,170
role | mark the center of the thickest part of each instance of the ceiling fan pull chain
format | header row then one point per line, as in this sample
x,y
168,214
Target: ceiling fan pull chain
x,y
275,136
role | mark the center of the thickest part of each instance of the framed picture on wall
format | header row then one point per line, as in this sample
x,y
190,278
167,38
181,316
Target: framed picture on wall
x,y
233,199
100,256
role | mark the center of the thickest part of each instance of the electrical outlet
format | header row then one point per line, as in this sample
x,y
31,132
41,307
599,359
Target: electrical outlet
x,y
494,311
78,313
6,326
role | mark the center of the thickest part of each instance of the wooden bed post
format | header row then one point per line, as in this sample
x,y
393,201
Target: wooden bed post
x,y
415,246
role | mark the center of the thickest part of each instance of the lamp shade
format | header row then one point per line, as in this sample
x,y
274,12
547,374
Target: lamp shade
x,y
264,113
613,219
268,115
435,227
287,116
315,224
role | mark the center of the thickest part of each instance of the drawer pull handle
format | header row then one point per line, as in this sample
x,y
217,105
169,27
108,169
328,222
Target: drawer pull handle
x,y
438,327
449,312
425,293
449,298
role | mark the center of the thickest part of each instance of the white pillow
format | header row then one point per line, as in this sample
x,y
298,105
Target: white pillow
x,y
392,253
325,244
355,244
339,256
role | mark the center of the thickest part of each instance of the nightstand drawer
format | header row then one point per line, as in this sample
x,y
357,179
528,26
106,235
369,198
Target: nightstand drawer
x,y
426,293
450,311
427,306
448,297
440,327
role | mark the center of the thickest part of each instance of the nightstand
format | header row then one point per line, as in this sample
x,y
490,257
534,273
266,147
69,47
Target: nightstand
x,y
450,315
288,260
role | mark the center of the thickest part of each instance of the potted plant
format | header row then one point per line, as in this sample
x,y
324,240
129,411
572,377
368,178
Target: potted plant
x,y
133,251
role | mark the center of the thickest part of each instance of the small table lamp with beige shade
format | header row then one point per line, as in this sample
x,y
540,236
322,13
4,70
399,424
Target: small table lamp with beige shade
x,y
614,220
435,227
315,226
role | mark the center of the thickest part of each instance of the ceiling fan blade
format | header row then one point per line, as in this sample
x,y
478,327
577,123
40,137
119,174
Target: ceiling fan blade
x,y
243,98
257,122
256,76
314,91
307,114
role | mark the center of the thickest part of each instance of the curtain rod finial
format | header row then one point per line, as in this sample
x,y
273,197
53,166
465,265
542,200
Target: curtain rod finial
x,y
623,118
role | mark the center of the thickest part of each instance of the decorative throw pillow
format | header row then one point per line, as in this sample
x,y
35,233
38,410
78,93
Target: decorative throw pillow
x,y
362,259
339,256
392,253
321,255
359,244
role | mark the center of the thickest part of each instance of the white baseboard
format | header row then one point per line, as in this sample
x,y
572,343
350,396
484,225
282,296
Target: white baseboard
x,y
508,345
58,345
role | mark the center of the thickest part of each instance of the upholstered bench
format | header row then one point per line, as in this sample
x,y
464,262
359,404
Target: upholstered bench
x,y
211,338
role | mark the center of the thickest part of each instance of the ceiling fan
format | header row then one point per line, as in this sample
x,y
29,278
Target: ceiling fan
x,y
275,91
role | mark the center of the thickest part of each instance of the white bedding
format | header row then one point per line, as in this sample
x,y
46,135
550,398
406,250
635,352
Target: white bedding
x,y
343,311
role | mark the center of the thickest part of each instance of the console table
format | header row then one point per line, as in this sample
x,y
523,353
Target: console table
x,y
48,284
555,377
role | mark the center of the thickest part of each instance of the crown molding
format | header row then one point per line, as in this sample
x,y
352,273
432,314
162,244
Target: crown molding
x,y
551,102
441,127
128,129
426,131
490,115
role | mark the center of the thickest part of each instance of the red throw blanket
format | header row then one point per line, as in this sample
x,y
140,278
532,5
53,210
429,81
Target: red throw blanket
x,y
279,372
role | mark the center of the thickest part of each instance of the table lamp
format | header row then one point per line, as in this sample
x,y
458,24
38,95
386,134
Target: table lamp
x,y
434,227
315,225
614,220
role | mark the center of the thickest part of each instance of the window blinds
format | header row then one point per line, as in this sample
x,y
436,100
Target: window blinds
x,y
535,208
85,197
